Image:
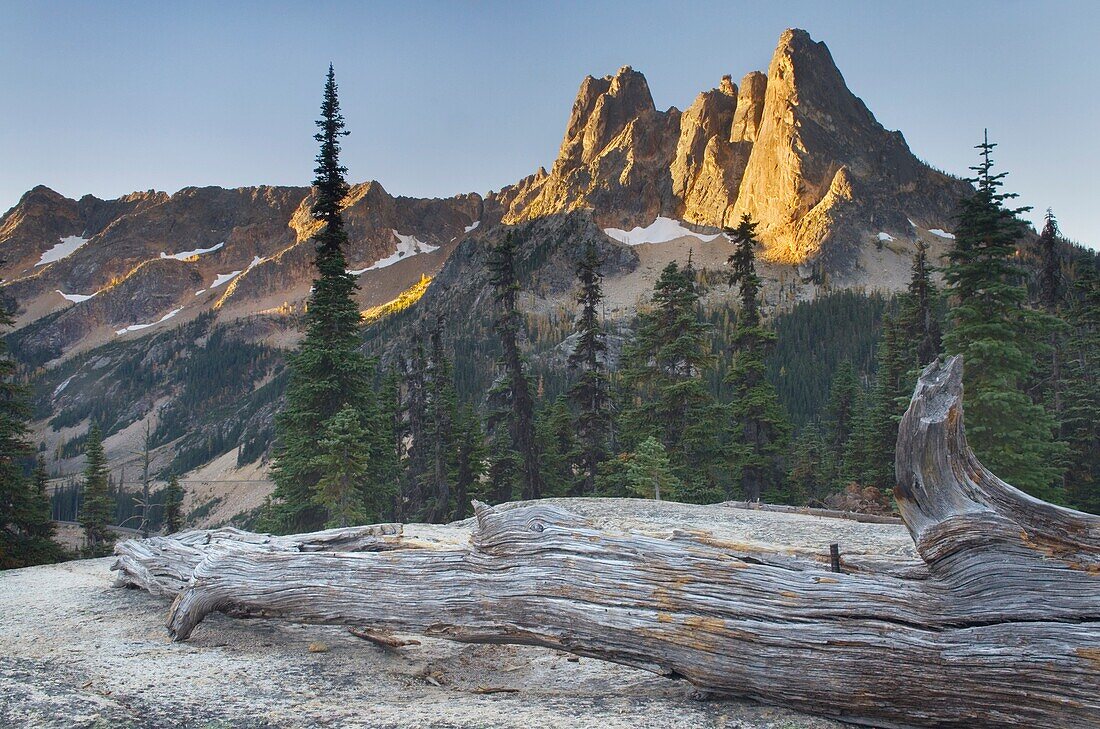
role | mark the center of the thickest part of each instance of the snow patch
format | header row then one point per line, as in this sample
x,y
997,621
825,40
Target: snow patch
x,y
138,327
885,237
661,230
184,255
64,249
911,222
472,225
57,390
256,261
407,246
942,233
222,278
200,292
75,298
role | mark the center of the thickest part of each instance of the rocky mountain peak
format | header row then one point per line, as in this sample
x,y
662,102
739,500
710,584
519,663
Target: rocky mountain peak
x,y
750,107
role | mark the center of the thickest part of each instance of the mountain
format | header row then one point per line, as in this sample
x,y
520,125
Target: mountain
x,y
117,301
795,149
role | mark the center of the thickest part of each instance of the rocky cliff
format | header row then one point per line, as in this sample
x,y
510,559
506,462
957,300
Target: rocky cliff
x,y
795,149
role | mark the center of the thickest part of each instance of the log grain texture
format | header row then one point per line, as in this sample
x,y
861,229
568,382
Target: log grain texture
x,y
999,628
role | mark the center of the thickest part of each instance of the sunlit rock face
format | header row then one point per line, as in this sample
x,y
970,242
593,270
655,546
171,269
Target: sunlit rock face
x,y
614,157
793,148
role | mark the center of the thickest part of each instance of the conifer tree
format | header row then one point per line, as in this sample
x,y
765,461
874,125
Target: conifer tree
x,y
344,466
515,391
808,479
761,429
919,322
25,526
173,506
1000,339
328,373
842,420
558,446
1050,284
469,463
664,376
911,339
590,392
415,477
439,428
98,507
38,527
649,473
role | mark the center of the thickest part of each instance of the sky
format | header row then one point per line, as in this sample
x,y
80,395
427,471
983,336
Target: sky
x,y
450,97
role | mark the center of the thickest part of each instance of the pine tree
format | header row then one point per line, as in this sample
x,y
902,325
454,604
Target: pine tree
x,y
664,377
25,526
1000,339
911,339
439,428
842,421
328,373
557,447
590,392
98,507
1050,285
761,429
344,466
469,462
808,478
415,478
173,506
649,473
516,389
919,323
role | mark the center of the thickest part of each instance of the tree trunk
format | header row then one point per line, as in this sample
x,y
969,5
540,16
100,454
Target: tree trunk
x,y
1000,629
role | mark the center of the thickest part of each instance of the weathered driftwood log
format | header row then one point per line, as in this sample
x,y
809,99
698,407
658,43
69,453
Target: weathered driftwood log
x,y
1001,629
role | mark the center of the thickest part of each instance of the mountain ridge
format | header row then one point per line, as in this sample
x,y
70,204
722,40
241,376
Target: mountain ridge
x,y
841,202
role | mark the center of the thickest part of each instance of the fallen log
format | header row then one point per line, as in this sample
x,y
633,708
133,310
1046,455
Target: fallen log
x,y
1002,628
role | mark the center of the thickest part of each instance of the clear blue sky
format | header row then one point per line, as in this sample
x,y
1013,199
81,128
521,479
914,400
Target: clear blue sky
x,y
448,97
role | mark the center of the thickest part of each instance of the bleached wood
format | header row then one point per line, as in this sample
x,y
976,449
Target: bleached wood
x,y
999,629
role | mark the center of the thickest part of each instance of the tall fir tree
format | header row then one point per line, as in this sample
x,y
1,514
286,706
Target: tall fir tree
x,y
664,377
558,446
761,430
439,430
1049,372
328,373
98,507
515,391
842,423
469,464
911,338
173,506
25,526
807,479
38,526
1000,339
590,392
